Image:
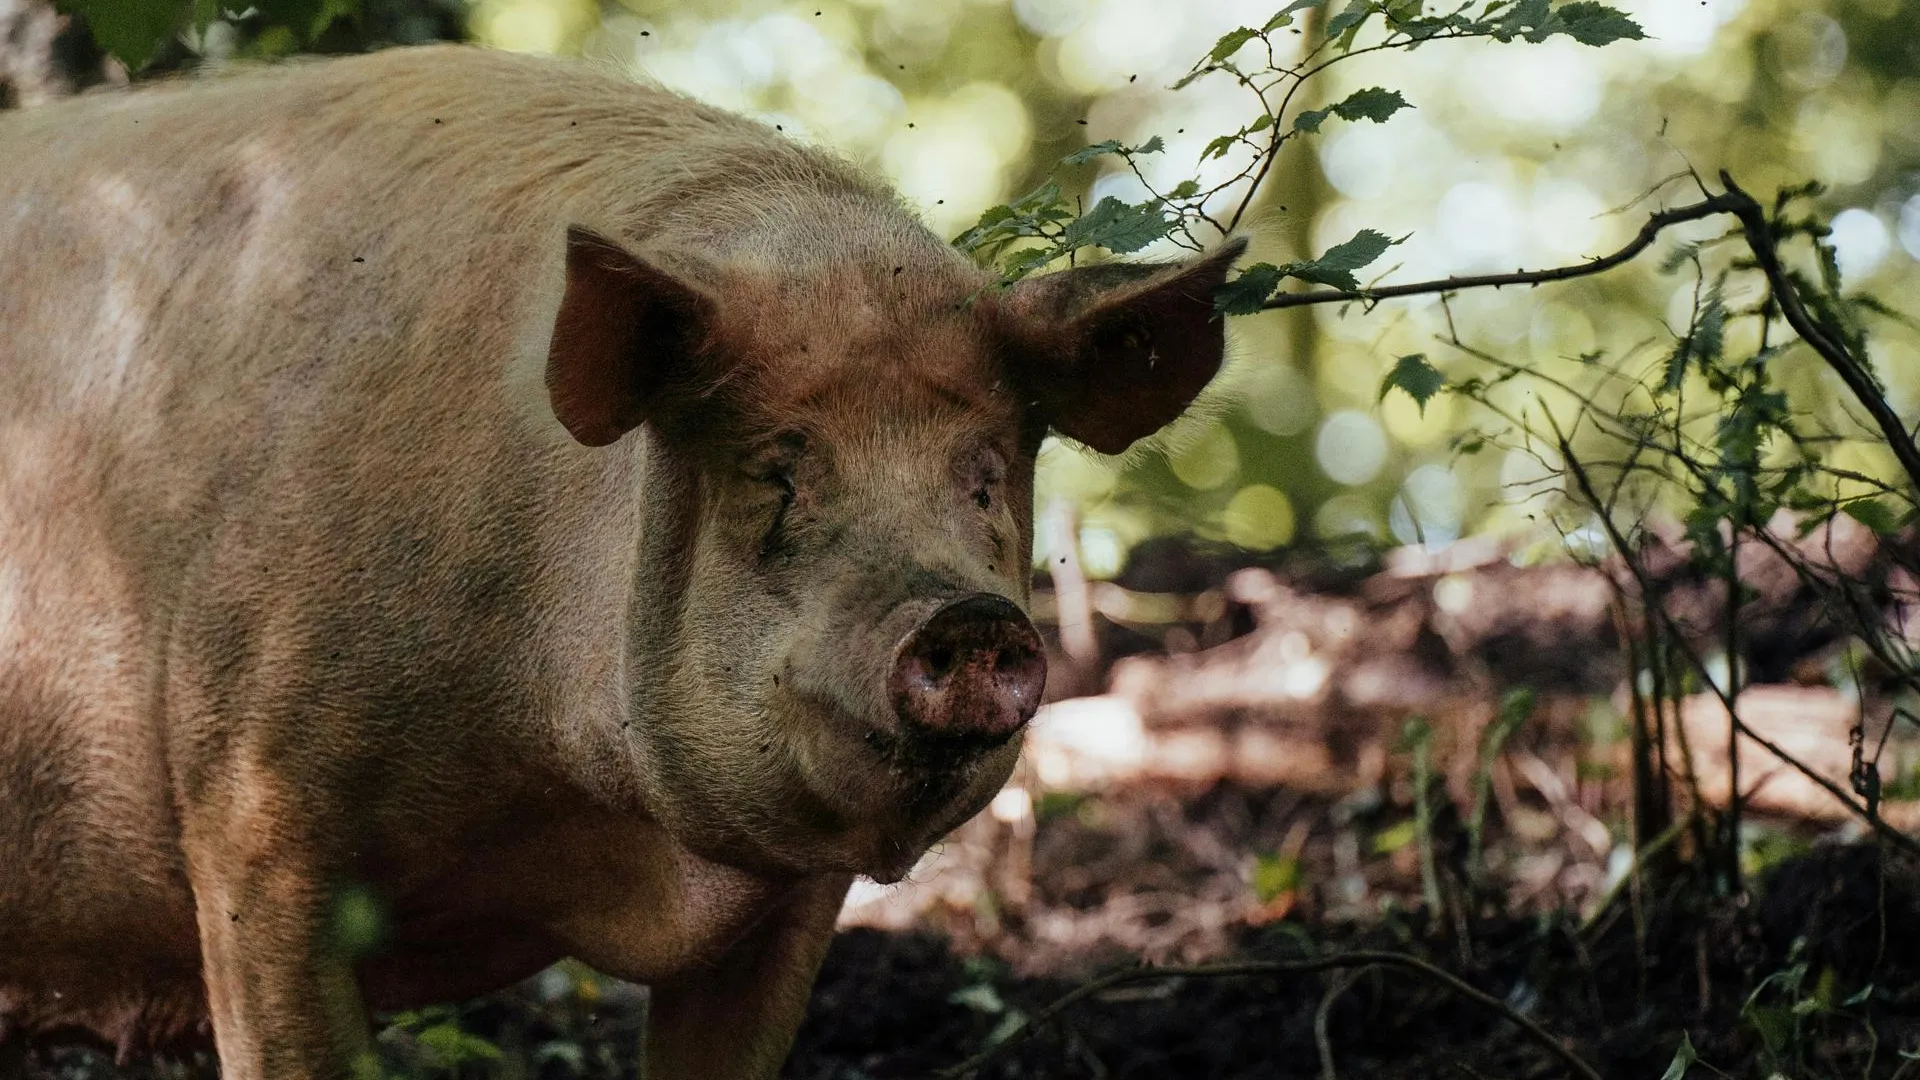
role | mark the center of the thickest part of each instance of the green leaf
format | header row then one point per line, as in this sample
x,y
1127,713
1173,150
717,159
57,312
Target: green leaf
x,y
1525,15
1681,255
1421,381
132,30
1394,837
1583,20
1744,427
1274,875
1336,267
1350,18
1112,146
1420,29
1230,43
1705,342
1185,189
1366,246
1088,153
297,16
1874,515
1683,1058
980,997
1117,226
1821,1000
1773,1023
1245,294
1038,213
1597,24
1203,69
1709,330
1218,147
1284,17
1515,705
452,1047
1374,103
1677,365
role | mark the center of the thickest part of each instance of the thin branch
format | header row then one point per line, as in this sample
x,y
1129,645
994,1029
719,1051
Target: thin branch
x,y
1899,839
1321,1041
1336,962
1728,203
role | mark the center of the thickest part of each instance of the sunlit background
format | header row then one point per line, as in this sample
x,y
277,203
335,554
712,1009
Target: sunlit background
x,y
1514,156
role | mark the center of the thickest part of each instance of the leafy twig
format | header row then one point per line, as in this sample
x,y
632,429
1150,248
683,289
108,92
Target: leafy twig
x,y
1581,478
1760,238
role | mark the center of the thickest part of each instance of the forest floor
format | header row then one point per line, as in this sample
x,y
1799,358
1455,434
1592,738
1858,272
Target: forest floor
x,y
1232,778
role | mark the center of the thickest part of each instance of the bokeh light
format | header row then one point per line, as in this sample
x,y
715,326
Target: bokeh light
x,y
1860,243
1428,508
1207,461
1350,448
1258,518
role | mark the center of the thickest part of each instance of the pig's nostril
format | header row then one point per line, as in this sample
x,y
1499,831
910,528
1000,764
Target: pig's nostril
x,y
974,668
939,662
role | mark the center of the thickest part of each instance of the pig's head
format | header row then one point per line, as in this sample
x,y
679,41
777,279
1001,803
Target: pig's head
x,y
829,658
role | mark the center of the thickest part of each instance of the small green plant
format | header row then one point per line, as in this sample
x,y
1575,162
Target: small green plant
x,y
1515,708
1417,739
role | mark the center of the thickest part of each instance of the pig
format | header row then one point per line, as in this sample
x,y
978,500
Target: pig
x,y
461,510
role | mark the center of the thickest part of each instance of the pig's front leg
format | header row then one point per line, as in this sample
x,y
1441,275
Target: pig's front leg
x,y
283,999
735,1019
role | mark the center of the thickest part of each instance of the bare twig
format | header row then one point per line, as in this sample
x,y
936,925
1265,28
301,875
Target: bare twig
x,y
1335,962
1321,1041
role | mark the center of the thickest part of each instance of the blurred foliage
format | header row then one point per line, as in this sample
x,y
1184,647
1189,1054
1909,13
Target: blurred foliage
x,y
1520,146
159,35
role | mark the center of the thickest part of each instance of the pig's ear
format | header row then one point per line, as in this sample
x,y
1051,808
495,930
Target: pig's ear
x,y
1115,352
627,334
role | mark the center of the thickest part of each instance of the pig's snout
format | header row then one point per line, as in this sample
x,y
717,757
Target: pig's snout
x,y
973,671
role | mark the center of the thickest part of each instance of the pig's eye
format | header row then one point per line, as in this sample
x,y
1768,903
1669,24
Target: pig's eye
x,y
987,475
774,541
784,482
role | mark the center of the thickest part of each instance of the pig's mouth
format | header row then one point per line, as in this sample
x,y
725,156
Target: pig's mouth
x,y
888,796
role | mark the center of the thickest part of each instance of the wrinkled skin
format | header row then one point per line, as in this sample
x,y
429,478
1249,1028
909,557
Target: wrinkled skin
x,y
554,516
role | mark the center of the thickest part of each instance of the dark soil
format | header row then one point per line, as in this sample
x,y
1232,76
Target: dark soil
x,y
1781,984
1815,977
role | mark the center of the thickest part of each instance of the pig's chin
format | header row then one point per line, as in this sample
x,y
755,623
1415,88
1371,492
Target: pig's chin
x,y
895,811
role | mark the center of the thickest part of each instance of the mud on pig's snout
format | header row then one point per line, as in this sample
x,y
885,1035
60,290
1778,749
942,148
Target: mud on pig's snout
x,y
970,675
